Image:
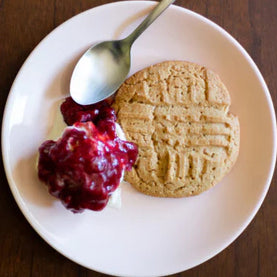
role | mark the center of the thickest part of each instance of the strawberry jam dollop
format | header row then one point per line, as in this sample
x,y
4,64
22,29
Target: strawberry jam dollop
x,y
84,166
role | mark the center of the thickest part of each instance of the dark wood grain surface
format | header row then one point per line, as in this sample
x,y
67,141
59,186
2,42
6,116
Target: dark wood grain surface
x,y
23,23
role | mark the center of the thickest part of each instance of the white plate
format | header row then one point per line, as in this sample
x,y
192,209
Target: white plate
x,y
147,236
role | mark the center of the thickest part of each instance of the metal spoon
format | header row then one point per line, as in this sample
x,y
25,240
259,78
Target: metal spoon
x,y
105,66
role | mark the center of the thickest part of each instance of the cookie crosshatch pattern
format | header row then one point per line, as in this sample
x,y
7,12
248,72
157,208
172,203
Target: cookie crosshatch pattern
x,y
178,114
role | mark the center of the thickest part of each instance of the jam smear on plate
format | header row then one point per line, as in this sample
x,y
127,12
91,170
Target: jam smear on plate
x,y
85,165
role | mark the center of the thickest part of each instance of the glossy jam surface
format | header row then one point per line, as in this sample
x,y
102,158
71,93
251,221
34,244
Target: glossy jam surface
x,y
85,165
101,114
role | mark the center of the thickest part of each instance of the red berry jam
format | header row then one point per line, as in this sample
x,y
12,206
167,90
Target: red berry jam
x,y
101,114
85,165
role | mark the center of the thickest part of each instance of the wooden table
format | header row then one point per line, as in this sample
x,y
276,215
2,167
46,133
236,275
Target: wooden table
x,y
23,23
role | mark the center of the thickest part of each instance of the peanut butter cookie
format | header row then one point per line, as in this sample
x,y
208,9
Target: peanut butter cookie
x,y
178,114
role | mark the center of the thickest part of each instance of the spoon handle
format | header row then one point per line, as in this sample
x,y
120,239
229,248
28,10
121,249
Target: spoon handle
x,y
154,14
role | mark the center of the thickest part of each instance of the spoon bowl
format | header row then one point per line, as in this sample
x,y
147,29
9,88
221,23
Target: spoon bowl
x,y
104,67
100,71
